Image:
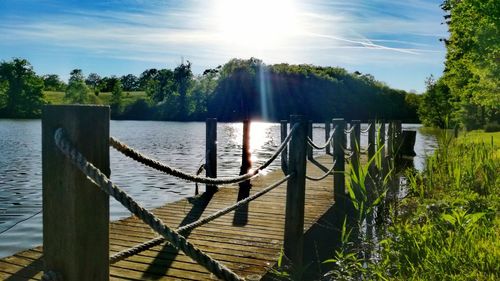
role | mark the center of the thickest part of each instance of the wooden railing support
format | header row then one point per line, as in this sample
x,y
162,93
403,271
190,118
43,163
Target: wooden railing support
x,y
310,135
327,137
390,140
211,152
371,145
382,143
339,143
397,138
295,194
284,153
75,211
246,162
355,144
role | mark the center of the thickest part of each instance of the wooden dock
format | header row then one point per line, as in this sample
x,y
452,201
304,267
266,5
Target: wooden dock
x,y
248,240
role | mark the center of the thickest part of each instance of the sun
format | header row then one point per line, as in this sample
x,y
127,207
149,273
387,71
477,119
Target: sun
x,y
256,24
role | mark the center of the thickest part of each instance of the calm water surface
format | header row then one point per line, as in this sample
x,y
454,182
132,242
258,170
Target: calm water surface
x,y
178,144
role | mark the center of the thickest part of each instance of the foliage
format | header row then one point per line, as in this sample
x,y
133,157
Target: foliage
x,y
117,96
93,80
21,90
436,105
472,63
492,127
52,82
251,89
130,82
77,91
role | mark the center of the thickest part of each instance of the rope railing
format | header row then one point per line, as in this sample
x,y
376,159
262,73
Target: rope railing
x,y
178,241
155,164
365,131
322,146
158,240
329,172
348,131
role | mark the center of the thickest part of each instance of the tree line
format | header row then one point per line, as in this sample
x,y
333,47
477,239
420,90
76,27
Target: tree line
x,y
468,92
234,91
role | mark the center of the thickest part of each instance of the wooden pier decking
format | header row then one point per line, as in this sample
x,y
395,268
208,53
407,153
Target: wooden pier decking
x,y
248,240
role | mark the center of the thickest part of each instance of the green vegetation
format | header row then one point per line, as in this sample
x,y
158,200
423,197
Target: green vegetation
x,y
470,84
21,90
128,98
446,228
237,90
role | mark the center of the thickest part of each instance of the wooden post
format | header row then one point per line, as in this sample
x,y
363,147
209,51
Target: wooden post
x,y
355,144
211,152
371,144
284,153
390,141
310,135
246,163
339,143
327,137
381,141
295,194
75,211
397,138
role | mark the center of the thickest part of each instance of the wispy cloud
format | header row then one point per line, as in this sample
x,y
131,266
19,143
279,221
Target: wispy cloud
x,y
367,32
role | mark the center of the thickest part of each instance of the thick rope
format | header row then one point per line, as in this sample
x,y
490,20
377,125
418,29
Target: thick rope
x,y
155,164
158,240
147,217
367,129
329,172
350,129
323,146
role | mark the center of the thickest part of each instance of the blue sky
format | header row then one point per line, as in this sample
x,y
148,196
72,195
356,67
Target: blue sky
x,y
396,41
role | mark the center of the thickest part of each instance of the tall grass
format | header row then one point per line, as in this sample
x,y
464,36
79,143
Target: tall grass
x,y
446,228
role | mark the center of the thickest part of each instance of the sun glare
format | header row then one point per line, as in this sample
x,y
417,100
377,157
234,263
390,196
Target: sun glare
x,y
256,24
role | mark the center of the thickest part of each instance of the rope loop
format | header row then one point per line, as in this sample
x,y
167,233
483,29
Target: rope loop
x,y
155,164
322,146
350,129
329,172
365,131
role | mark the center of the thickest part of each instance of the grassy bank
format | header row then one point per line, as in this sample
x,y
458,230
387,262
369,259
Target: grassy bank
x,y
447,227
102,98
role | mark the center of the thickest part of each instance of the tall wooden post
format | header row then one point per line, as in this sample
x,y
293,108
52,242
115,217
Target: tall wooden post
x,y
390,140
371,144
355,144
310,135
75,211
327,137
246,163
397,138
295,194
339,143
211,152
284,153
381,142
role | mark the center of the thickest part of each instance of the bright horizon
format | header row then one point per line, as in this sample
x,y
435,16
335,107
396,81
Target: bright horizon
x,y
396,42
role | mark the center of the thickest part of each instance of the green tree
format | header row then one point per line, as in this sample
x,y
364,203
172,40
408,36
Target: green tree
x,y
161,86
77,91
436,107
130,82
52,82
21,90
94,81
472,63
117,96
183,77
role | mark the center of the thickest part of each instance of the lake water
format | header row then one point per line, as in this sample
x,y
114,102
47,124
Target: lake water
x,y
181,145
